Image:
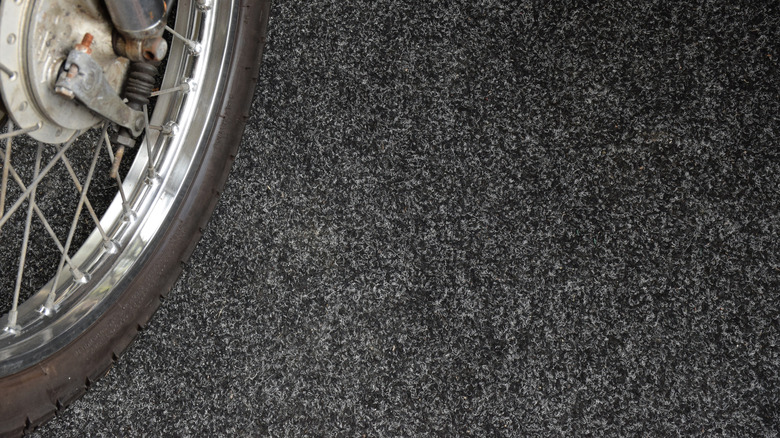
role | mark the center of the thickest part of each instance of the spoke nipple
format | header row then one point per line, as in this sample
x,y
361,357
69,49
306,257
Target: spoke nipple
x,y
129,215
152,177
13,330
111,246
191,85
195,48
171,129
12,327
79,277
47,310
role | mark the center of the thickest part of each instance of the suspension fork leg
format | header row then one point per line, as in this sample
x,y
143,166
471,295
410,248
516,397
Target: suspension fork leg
x,y
139,19
139,26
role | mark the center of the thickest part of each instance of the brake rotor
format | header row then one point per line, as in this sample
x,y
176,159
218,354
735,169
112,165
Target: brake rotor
x,y
36,37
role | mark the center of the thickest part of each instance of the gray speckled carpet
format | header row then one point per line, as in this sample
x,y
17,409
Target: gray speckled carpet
x,y
488,218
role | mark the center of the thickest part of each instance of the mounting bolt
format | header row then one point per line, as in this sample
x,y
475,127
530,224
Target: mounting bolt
x,y
65,92
155,49
86,43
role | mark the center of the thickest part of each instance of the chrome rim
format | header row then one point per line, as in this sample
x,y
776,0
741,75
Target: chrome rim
x,y
88,279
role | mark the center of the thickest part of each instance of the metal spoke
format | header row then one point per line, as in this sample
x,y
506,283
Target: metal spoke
x,y
6,166
193,46
43,173
115,174
13,314
169,129
11,74
11,134
49,306
186,86
88,204
38,212
151,172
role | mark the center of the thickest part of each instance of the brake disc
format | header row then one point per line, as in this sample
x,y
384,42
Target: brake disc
x,y
36,37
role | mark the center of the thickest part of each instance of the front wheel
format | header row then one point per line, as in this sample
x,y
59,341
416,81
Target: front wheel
x,y
86,257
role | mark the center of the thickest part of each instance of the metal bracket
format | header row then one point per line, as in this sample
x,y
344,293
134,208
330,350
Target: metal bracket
x,y
83,79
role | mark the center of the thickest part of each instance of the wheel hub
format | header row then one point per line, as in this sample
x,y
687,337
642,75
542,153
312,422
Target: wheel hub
x,y
36,37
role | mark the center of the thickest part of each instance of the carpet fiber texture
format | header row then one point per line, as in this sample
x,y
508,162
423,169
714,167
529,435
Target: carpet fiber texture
x,y
487,218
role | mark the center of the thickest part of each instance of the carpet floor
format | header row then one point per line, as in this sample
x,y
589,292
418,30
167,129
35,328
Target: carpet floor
x,y
483,218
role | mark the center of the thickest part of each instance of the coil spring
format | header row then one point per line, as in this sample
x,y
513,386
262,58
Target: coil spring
x,y
139,84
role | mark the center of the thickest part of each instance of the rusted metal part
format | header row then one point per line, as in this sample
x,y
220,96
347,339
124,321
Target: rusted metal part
x,y
138,19
151,49
33,53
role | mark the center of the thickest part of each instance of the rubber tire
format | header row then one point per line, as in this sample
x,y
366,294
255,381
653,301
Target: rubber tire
x,y
36,394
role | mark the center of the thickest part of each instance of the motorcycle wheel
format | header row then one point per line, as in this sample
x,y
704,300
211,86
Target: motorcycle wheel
x,y
68,330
